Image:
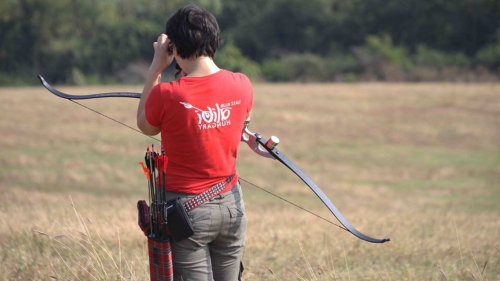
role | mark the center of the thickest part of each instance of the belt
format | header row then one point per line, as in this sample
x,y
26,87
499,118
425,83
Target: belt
x,y
208,194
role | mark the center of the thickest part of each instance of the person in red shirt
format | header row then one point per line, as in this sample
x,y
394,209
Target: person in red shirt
x,y
200,118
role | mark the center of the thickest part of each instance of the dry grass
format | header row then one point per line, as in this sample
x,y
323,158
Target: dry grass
x,y
419,163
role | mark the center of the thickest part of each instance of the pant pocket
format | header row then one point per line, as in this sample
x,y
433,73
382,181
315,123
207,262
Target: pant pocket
x,y
237,226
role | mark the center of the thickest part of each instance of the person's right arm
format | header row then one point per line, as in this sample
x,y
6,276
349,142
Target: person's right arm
x,y
161,60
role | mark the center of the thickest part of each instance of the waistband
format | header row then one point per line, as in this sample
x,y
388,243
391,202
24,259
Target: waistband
x,y
235,189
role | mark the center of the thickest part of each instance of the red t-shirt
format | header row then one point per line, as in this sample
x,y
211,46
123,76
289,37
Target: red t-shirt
x,y
201,120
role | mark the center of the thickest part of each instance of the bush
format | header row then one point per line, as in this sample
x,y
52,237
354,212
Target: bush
x,y
380,59
19,78
296,67
490,54
425,56
383,47
275,70
231,58
340,64
77,77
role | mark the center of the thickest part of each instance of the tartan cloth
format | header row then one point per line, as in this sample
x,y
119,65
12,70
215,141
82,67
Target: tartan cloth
x,y
208,194
143,213
160,260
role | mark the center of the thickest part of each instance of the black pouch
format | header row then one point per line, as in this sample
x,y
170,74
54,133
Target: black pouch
x,y
178,220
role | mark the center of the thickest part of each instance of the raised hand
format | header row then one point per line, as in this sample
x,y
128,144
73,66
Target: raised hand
x,y
163,56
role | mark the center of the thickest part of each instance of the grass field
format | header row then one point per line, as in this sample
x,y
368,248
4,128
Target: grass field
x,y
419,163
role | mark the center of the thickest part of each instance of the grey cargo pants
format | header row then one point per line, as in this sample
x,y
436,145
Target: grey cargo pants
x,y
215,250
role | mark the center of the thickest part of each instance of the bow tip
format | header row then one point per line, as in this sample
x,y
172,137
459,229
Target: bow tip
x,y
386,240
40,77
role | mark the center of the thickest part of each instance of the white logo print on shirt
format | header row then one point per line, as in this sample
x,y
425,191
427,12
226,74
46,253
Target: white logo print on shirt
x,y
213,117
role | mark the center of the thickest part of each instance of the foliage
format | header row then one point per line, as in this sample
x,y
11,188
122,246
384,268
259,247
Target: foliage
x,y
295,67
371,39
231,58
383,47
425,56
490,54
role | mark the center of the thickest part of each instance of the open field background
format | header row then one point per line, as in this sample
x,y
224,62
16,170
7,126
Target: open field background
x,y
419,163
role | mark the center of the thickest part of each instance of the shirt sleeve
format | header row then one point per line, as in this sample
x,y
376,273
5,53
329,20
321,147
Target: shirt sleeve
x,y
154,107
249,90
250,103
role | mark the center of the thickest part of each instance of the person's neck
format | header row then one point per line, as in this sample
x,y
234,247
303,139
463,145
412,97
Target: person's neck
x,y
198,67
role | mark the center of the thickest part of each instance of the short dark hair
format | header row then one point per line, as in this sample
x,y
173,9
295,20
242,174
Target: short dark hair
x,y
194,31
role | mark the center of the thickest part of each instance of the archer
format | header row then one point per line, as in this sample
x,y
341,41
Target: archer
x,y
200,158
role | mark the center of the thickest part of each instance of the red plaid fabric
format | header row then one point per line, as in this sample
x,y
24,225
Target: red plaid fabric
x,y
160,260
143,213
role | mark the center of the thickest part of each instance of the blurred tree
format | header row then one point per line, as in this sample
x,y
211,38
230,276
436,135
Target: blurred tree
x,y
230,57
490,54
97,39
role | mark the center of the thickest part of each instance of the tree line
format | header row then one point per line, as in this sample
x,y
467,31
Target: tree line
x,y
110,41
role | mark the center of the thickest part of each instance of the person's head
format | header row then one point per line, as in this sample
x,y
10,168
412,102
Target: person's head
x,y
194,32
